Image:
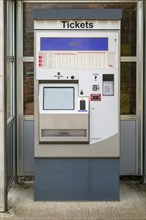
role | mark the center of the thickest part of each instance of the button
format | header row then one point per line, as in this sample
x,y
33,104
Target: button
x,y
95,97
95,77
72,77
81,92
94,87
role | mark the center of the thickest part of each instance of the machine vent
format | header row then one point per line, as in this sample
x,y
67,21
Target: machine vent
x,y
63,132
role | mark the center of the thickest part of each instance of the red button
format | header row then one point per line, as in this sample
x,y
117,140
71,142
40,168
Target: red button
x,y
40,64
40,61
95,97
40,57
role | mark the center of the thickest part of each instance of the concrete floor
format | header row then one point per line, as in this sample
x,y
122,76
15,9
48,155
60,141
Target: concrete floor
x,y
132,206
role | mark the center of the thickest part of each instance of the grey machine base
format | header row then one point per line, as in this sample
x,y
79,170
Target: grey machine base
x,y
76,179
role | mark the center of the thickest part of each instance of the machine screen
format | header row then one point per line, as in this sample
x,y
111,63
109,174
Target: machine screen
x,y
58,98
69,44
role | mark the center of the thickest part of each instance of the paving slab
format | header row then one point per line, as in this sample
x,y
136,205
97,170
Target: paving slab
x,y
132,205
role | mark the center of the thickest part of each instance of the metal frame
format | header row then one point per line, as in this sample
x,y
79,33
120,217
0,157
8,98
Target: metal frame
x,y
138,59
19,48
144,115
79,1
10,122
11,119
140,85
3,168
11,59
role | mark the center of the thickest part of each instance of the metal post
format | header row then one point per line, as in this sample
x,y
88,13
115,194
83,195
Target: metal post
x,y
144,175
3,185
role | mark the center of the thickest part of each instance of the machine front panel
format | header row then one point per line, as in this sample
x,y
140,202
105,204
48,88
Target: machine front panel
x,y
77,109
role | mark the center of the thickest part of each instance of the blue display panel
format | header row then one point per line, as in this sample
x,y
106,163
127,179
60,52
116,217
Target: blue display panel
x,y
93,44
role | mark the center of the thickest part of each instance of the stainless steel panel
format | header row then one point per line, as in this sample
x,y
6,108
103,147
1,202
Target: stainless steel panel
x,y
107,148
128,147
63,127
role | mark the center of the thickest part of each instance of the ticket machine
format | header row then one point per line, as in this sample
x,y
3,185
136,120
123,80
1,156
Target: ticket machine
x,y
77,77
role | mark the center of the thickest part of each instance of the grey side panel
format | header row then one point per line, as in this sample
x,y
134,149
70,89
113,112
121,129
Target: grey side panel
x,y
128,147
111,14
76,179
9,153
28,147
